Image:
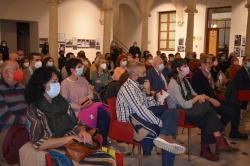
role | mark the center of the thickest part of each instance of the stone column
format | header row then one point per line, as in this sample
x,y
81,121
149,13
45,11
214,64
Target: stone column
x,y
53,29
106,30
247,47
191,9
144,32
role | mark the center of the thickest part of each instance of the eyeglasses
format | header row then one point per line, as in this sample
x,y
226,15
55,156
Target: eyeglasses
x,y
210,63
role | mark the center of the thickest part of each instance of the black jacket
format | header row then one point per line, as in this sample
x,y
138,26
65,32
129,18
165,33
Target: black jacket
x,y
135,50
242,80
5,52
200,84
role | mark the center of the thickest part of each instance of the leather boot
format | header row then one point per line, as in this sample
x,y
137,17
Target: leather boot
x,y
222,145
234,133
207,154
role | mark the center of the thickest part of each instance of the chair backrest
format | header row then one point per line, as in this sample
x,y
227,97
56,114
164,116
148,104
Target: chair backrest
x,y
112,106
190,76
243,95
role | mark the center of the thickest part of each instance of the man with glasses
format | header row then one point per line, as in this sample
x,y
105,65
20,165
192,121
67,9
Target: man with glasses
x,y
203,83
242,78
35,62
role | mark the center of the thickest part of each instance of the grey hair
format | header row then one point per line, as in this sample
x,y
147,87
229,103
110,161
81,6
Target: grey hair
x,y
133,67
204,58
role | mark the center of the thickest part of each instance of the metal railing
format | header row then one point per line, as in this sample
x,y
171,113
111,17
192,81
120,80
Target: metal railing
x,y
121,45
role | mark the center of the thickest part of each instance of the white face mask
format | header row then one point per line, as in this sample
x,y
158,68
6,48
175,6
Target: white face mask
x,y
150,61
79,71
236,62
26,64
1,62
171,59
215,63
113,44
4,45
124,63
207,70
50,64
161,67
103,66
54,90
38,64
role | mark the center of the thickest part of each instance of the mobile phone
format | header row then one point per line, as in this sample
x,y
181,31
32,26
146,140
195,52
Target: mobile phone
x,y
85,102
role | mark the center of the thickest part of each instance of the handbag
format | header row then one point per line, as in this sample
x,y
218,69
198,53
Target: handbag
x,y
78,150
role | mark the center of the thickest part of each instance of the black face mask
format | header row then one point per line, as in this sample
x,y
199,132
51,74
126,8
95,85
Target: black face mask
x,y
141,80
109,58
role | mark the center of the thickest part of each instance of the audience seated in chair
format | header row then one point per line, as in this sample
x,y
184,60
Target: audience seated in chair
x,y
35,62
242,78
149,61
136,103
101,76
233,69
121,66
76,90
12,112
50,120
193,62
202,83
63,72
110,63
185,98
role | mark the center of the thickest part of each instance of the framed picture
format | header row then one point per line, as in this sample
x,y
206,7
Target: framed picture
x,y
237,40
61,37
83,43
68,42
87,43
74,41
181,41
237,51
181,49
61,47
242,52
79,43
42,41
97,43
243,40
92,43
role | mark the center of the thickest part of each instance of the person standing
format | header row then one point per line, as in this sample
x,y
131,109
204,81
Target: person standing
x,y
61,60
135,50
4,50
45,49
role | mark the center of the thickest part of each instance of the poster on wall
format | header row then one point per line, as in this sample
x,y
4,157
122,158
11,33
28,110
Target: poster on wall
x,y
243,40
79,43
83,43
42,41
68,42
181,41
181,49
97,44
92,43
237,51
74,41
61,47
242,52
61,37
87,43
237,40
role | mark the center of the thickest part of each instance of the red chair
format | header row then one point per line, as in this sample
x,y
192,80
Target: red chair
x,y
243,95
190,76
121,131
181,122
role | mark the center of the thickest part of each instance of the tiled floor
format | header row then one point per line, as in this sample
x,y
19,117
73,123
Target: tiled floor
x,y
240,158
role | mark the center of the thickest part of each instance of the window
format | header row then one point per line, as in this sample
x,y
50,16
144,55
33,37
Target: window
x,y
166,33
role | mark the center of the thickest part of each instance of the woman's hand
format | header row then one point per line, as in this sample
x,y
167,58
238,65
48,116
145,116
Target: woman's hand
x,y
81,100
85,137
87,104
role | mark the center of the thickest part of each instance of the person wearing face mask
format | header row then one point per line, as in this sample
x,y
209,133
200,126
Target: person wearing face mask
x,y
215,69
157,77
101,76
135,100
61,60
76,90
21,54
233,69
12,110
110,63
149,61
45,49
188,56
223,62
24,63
34,63
14,57
121,64
143,58
242,78
4,50
177,55
135,50
193,62
194,105
114,51
46,104
48,62
229,110
171,59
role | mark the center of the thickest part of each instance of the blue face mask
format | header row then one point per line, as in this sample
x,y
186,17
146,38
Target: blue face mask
x,y
54,90
223,58
79,71
124,63
248,65
50,64
161,67
21,56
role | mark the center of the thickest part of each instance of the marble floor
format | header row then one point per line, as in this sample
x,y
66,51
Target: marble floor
x,y
240,158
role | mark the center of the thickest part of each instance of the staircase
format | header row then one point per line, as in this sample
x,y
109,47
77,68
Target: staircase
x,y
121,45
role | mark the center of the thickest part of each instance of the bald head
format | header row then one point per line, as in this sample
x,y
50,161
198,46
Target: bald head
x,y
13,56
157,61
20,52
9,64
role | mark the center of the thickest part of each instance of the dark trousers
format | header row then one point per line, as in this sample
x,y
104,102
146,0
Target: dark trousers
x,y
103,121
229,111
243,105
208,126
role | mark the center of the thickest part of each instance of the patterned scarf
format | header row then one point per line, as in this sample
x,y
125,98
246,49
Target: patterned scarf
x,y
208,76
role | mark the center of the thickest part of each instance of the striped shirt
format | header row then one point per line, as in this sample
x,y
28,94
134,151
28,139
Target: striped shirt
x,y
130,99
12,103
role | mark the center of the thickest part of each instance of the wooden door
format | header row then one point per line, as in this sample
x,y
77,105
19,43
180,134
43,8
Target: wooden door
x,y
212,41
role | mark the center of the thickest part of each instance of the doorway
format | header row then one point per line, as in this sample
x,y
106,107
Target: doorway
x,y
23,37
